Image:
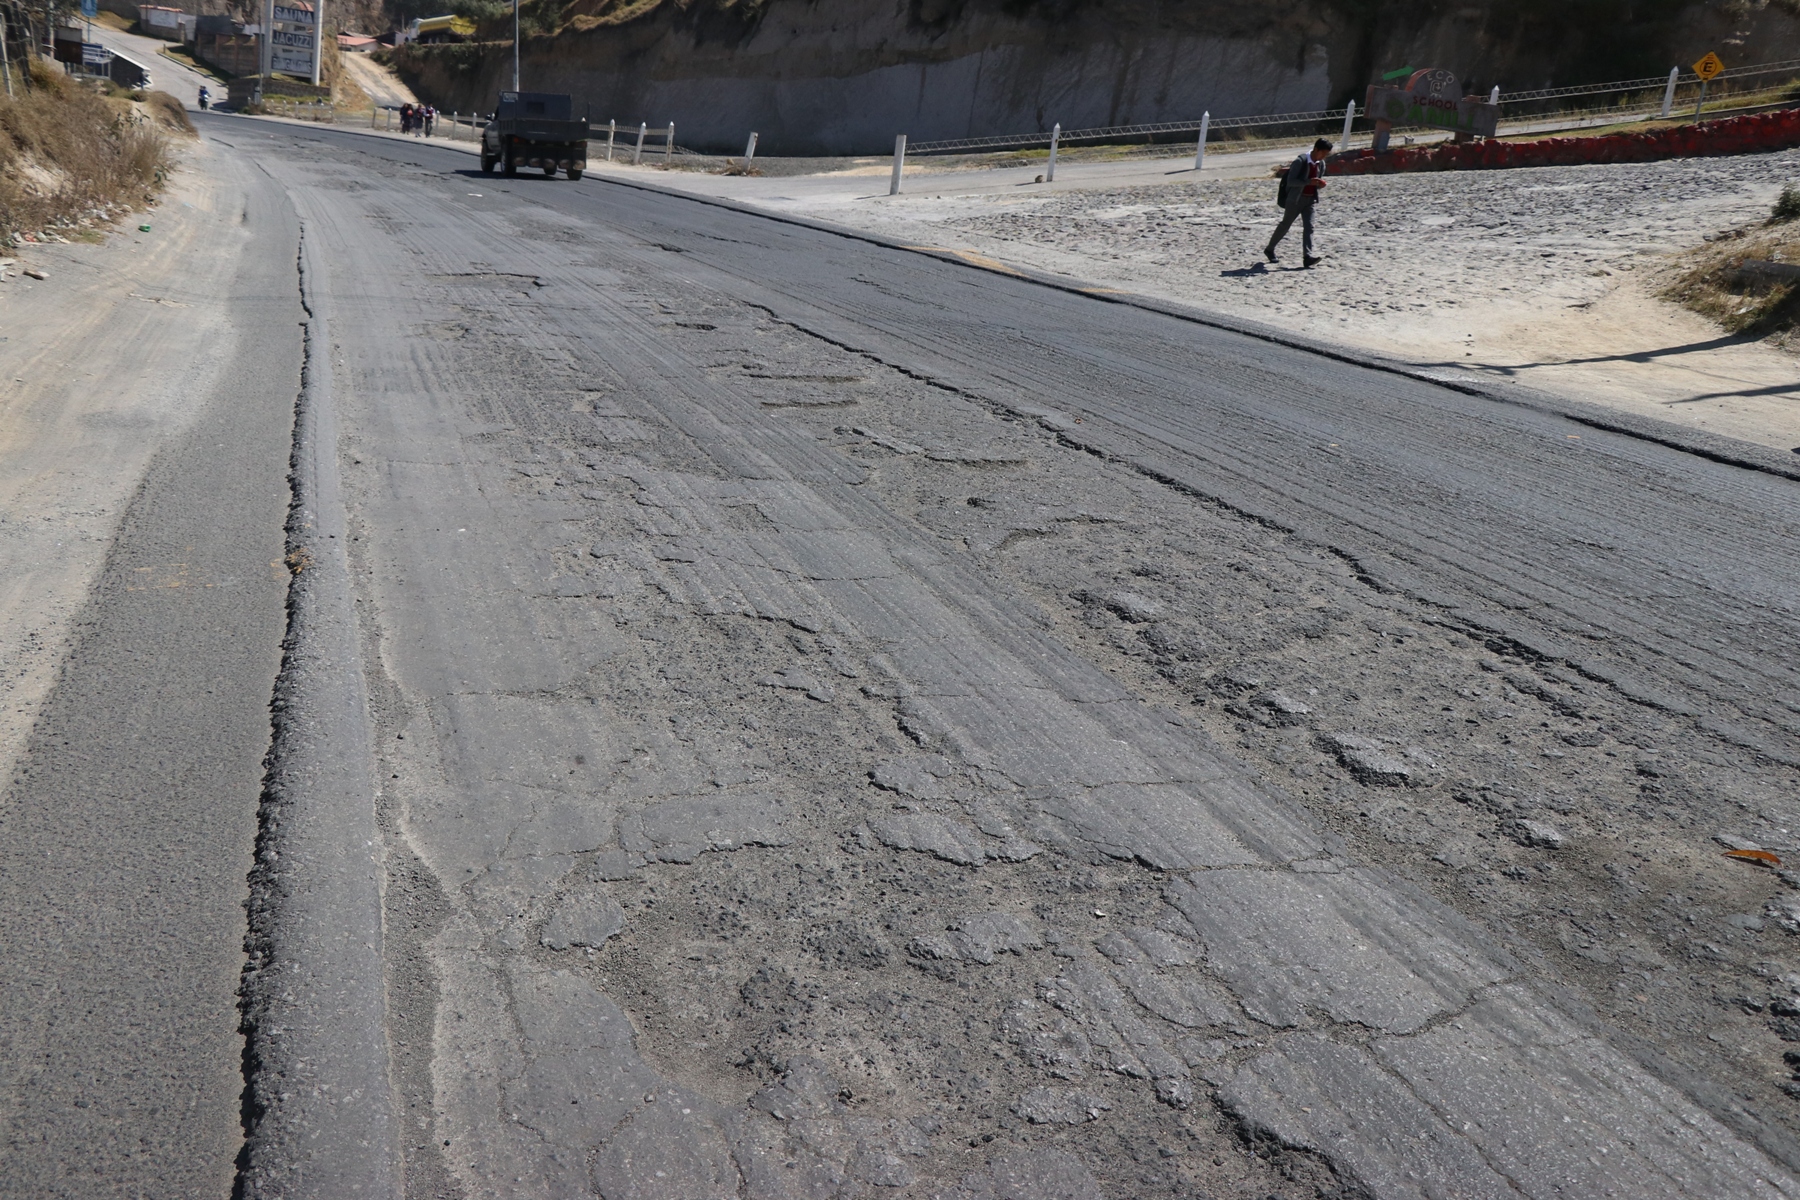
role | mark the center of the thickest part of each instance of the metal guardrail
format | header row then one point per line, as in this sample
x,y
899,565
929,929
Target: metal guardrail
x,y
1644,85
1321,117
1011,141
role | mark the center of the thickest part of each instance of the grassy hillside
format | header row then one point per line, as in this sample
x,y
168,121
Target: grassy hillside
x,y
70,155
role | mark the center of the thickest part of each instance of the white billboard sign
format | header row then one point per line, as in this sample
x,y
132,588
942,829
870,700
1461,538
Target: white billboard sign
x,y
290,15
290,61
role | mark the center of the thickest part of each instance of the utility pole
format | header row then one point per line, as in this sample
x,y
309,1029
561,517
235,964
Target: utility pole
x,y
268,34
515,45
318,38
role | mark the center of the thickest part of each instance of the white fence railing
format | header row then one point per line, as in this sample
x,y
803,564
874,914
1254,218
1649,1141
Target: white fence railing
x,y
1637,98
611,142
1331,118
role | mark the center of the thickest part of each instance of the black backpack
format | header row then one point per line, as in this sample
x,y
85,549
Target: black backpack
x,y
1281,192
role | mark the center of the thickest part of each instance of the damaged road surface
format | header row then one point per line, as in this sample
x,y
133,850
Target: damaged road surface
x,y
840,723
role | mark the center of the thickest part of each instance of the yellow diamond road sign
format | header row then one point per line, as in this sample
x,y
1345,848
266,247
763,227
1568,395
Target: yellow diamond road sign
x,y
1708,67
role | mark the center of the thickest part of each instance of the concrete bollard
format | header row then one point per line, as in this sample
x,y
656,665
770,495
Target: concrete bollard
x,y
1055,137
1494,95
1669,92
637,155
1349,116
1200,146
669,146
612,131
899,163
750,150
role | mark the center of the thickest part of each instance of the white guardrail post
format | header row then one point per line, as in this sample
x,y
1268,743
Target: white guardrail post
x,y
669,145
899,163
1669,92
1055,137
1200,146
637,155
750,150
1349,116
612,132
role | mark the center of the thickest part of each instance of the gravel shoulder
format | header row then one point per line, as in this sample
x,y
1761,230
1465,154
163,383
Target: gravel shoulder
x,y
100,363
147,423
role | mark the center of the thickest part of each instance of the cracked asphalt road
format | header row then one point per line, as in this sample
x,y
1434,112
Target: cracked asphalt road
x,y
849,724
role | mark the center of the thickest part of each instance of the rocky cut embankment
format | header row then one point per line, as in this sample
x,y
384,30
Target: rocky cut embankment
x,y
844,78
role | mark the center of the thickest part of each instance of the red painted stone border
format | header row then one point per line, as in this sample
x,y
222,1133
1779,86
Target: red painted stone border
x,y
1750,134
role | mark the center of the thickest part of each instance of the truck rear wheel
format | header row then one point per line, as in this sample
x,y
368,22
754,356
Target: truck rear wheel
x,y
487,164
511,167
574,172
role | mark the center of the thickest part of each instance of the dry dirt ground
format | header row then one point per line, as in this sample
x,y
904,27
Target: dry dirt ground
x,y
1547,277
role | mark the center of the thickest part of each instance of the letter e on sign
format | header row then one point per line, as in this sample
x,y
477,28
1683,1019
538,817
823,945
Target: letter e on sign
x,y
1708,67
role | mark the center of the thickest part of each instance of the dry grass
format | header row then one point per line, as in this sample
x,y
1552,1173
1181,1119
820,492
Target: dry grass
x,y
69,155
1713,284
168,112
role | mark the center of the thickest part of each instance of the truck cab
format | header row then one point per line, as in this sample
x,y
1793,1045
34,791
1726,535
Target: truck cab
x,y
535,129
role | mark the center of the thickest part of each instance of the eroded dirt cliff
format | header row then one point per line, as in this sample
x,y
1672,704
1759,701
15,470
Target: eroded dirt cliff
x,y
846,77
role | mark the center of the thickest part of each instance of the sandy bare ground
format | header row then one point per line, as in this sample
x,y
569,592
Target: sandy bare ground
x,y
381,84
1546,277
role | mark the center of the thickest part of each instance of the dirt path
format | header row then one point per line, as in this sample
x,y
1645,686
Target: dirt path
x,y
382,85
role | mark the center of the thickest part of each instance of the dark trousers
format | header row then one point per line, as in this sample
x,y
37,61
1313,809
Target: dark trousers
x,y
1304,211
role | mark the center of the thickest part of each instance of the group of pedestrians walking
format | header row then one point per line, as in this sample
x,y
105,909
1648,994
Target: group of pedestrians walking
x,y
417,119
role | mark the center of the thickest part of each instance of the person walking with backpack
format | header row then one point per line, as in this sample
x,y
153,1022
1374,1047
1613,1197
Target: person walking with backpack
x,y
1301,184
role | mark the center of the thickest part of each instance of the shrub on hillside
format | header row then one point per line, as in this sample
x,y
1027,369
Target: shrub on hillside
x,y
1787,206
167,111
67,150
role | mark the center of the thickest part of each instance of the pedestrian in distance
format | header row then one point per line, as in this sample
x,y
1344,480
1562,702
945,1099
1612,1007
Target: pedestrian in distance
x,y
406,118
430,118
1301,184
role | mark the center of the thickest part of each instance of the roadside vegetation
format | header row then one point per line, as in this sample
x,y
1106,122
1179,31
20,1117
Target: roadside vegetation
x,y
73,156
1748,280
